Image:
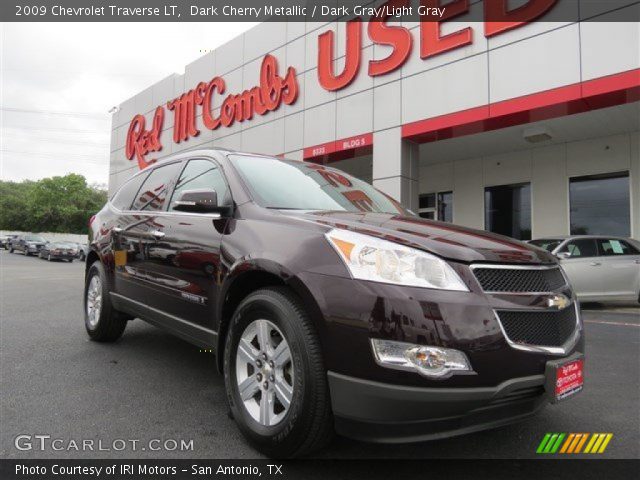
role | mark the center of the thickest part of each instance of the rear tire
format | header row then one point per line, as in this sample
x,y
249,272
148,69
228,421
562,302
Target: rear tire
x,y
10,249
306,423
102,321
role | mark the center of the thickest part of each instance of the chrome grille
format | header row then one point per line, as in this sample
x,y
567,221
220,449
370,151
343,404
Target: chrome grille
x,y
519,280
540,328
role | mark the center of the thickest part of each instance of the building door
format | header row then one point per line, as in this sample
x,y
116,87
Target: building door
x,y
507,210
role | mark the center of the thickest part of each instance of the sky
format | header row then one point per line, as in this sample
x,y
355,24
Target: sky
x,y
59,81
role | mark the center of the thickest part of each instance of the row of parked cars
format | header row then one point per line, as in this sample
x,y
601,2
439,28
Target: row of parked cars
x,y
31,244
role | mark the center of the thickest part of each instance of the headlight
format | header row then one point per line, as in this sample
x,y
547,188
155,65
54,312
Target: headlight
x,y
370,258
433,362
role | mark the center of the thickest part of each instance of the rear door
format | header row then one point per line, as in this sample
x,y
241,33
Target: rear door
x,y
620,268
186,265
140,230
583,267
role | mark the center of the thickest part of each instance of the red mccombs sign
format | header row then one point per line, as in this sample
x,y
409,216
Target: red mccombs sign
x,y
266,97
275,90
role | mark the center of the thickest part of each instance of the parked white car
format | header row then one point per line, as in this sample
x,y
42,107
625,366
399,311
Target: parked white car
x,y
600,268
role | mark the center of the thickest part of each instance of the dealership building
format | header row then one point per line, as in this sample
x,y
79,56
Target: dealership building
x,y
527,129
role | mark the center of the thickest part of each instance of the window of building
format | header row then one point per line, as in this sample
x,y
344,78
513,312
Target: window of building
x,y
445,206
199,174
507,210
153,192
123,198
436,206
600,205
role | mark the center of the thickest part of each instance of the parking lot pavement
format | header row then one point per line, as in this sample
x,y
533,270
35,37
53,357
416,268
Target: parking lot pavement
x,y
150,385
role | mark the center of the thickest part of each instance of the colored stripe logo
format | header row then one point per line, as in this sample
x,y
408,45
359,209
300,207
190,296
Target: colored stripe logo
x,y
573,443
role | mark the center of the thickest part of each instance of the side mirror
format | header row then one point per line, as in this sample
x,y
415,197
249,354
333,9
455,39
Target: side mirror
x,y
201,201
563,255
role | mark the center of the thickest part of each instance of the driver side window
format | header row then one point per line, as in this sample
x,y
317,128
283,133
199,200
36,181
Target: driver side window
x,y
584,247
202,174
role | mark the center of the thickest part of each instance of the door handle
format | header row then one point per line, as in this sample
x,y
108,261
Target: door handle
x,y
157,234
595,264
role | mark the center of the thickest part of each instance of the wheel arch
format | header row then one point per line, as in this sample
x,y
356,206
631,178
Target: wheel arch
x,y
250,278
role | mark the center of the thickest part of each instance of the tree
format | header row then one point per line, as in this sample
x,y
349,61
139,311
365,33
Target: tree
x,y
57,204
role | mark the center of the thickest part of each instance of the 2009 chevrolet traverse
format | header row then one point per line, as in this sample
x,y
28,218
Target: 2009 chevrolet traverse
x,y
330,306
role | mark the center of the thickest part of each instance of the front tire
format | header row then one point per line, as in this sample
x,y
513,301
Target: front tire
x,y
275,377
102,321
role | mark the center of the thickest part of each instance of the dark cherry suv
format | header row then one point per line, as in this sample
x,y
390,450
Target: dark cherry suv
x,y
330,306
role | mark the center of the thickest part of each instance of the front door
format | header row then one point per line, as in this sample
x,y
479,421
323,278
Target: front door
x,y
185,265
583,267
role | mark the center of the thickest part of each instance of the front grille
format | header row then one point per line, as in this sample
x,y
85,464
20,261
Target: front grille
x,y
519,279
545,329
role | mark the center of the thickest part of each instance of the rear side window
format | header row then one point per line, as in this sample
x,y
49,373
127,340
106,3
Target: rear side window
x,y
613,247
583,247
153,192
123,199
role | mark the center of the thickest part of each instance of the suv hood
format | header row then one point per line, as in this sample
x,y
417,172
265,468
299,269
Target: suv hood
x,y
443,239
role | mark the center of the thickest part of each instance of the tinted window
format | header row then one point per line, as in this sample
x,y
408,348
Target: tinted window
x,y
123,198
199,174
508,210
305,186
612,247
583,247
600,205
428,200
153,192
548,244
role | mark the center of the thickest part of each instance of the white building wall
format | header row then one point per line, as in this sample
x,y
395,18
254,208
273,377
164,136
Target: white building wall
x,y
535,57
548,169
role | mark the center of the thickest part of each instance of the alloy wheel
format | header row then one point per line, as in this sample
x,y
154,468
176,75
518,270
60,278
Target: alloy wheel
x,y
94,301
264,372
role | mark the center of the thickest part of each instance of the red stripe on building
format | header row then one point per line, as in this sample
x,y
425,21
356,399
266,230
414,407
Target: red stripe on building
x,y
581,97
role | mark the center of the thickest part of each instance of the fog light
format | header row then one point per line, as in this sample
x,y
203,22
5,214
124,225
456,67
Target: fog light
x,y
432,362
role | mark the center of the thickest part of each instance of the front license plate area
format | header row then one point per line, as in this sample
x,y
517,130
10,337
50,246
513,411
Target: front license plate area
x,y
565,378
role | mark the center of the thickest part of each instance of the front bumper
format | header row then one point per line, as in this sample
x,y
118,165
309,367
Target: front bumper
x,y
384,413
63,256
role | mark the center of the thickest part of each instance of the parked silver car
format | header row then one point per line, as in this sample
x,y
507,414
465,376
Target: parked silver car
x,y
600,268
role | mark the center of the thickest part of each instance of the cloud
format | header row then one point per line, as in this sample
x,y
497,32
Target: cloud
x,y
83,69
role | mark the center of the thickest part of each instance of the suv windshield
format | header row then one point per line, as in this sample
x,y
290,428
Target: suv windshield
x,y
548,244
34,238
291,185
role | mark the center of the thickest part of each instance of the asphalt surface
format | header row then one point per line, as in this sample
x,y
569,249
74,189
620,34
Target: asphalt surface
x,y
150,385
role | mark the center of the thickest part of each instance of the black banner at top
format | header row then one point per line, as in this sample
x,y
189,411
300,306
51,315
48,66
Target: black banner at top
x,y
317,10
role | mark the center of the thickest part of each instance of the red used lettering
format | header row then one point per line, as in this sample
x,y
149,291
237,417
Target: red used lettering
x,y
399,38
326,76
431,43
499,19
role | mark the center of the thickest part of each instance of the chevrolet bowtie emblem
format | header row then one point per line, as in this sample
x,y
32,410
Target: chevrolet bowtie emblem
x,y
559,302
